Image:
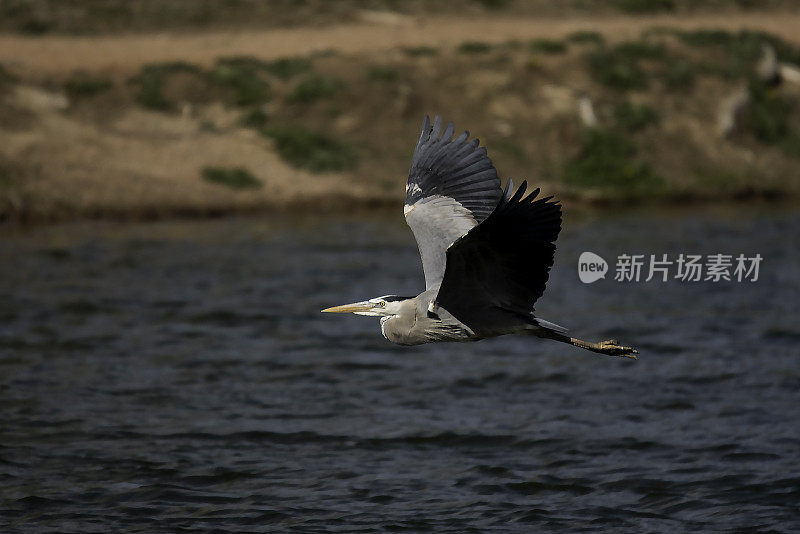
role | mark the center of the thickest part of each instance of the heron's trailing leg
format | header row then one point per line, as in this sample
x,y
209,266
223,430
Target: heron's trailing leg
x,y
610,347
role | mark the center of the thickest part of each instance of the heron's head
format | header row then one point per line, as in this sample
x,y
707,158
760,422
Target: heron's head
x,y
384,306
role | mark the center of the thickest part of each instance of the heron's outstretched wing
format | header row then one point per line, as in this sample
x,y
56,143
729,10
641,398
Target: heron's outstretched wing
x,y
452,186
504,262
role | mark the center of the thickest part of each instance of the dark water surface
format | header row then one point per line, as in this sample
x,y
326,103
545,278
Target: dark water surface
x,y
179,377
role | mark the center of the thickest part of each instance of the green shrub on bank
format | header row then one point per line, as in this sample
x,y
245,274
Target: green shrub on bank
x,y
287,68
768,114
678,74
419,51
5,76
586,36
494,4
790,145
382,74
634,117
255,118
634,50
606,161
83,85
645,6
742,48
616,72
235,178
245,76
151,82
547,46
768,118
313,88
311,150
474,47
619,66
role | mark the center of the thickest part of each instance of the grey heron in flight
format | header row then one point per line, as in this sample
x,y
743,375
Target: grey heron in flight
x,y
486,252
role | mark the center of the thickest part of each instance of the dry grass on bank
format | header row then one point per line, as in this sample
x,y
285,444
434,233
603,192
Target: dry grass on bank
x,y
336,129
93,17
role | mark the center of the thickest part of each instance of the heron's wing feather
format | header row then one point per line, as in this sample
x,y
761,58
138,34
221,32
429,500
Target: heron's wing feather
x,y
504,262
452,186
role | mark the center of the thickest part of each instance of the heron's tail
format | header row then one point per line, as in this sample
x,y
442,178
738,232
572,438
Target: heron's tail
x,y
550,326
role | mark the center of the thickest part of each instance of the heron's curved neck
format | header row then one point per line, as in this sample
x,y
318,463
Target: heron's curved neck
x,y
397,324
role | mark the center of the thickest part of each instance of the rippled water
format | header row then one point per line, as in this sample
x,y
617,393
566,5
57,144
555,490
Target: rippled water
x,y
179,377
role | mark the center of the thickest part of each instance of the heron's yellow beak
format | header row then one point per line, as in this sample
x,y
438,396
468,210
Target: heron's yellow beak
x,y
355,307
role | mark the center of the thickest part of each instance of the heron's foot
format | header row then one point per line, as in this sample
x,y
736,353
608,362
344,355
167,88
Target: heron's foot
x,y
613,348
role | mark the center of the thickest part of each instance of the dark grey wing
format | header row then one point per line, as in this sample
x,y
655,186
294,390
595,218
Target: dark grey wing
x,y
452,186
503,263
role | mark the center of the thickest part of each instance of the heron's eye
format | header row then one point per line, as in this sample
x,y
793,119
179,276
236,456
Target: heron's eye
x,y
382,304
